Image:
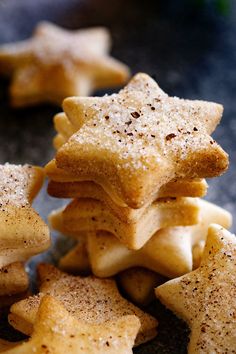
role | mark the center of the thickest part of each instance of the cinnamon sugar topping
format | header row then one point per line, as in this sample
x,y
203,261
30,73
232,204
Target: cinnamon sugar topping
x,y
14,184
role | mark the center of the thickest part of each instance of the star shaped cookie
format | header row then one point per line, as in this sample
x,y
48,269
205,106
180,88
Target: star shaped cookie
x,y
205,298
56,331
77,63
132,227
168,252
67,186
22,232
63,184
196,187
134,142
74,189
89,299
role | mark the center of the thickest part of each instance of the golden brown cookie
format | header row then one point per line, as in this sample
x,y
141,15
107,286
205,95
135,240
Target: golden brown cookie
x,y
177,188
205,298
134,142
22,232
168,252
133,227
56,331
77,63
88,299
66,185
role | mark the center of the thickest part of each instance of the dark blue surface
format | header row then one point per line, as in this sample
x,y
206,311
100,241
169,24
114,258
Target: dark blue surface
x,y
190,51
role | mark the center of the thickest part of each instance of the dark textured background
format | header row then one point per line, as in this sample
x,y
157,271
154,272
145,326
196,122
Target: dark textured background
x,y
189,50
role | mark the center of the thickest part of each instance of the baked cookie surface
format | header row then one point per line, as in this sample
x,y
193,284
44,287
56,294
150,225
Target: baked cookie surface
x,y
134,142
77,63
205,298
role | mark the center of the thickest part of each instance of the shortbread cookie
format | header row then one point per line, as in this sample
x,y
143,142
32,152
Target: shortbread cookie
x,y
22,232
77,62
139,283
134,142
206,297
168,211
170,248
176,188
168,252
56,331
64,183
76,261
136,226
88,299
13,279
195,187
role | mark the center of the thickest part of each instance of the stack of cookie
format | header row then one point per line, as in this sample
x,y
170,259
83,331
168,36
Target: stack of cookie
x,y
22,232
134,164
